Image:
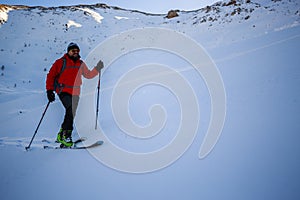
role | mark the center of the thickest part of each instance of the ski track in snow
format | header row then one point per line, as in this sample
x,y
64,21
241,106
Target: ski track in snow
x,y
21,143
242,53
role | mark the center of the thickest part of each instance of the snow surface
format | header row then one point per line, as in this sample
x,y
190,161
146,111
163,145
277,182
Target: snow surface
x,y
255,46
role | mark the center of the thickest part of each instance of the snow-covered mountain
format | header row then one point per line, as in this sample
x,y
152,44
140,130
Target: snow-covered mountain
x,y
253,44
25,30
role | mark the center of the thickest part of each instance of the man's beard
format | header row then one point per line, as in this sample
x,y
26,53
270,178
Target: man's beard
x,y
74,57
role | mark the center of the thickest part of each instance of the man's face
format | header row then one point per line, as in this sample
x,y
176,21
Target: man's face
x,y
74,53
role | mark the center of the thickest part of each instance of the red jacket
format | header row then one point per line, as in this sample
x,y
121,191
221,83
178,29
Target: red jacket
x,y
70,79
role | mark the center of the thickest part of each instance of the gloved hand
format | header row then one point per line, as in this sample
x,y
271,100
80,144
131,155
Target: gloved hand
x,y
50,95
99,65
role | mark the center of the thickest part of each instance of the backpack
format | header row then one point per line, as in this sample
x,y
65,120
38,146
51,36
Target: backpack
x,y
56,84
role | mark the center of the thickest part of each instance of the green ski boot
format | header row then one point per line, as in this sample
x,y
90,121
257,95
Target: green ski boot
x,y
64,137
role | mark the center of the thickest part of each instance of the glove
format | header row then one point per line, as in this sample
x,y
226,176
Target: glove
x,y
50,95
99,65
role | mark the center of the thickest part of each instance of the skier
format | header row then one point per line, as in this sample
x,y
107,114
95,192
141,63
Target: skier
x,y
64,78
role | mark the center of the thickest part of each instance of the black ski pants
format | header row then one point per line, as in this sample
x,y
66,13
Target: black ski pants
x,y
70,103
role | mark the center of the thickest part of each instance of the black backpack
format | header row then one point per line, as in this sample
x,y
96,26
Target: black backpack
x,y
56,84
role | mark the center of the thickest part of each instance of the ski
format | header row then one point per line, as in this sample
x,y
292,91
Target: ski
x,y
95,144
75,142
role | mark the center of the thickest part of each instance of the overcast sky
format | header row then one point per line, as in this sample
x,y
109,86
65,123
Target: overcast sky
x,y
151,6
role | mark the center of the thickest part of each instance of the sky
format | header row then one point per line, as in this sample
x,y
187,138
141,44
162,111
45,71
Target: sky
x,y
154,6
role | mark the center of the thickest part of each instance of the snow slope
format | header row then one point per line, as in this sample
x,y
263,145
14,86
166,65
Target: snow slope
x,y
254,45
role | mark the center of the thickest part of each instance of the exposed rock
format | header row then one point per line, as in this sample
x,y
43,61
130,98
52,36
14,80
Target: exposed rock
x,y
172,13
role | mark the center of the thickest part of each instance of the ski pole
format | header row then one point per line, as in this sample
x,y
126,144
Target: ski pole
x,y
97,109
38,126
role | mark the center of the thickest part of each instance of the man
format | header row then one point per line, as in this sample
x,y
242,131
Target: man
x,y
64,78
